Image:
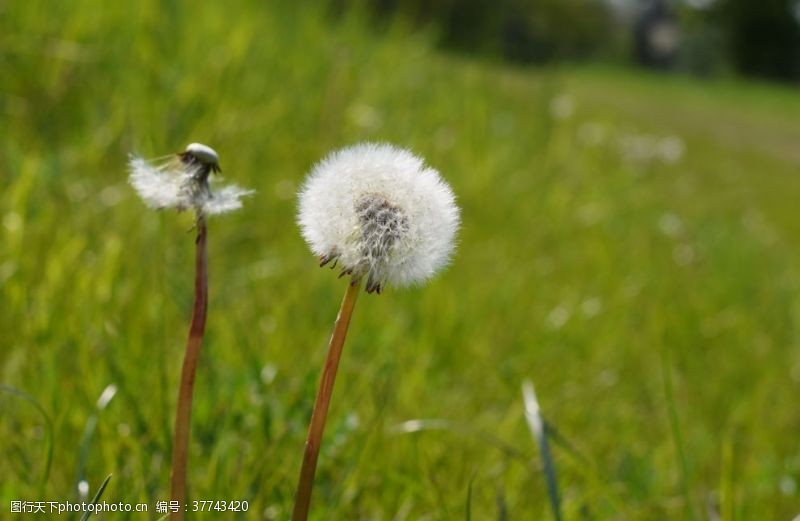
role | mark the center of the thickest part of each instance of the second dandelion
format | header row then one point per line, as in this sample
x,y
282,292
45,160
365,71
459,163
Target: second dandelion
x,y
181,182
385,218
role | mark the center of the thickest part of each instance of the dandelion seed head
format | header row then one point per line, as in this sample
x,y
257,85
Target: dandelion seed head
x,y
182,182
203,153
380,213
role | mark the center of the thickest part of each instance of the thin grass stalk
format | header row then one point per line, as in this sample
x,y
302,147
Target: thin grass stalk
x,y
48,422
468,508
183,414
96,498
538,428
675,426
727,478
320,413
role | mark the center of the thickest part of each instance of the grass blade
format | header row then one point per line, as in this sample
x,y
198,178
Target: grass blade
x,y
502,509
48,423
536,424
84,447
468,511
96,497
675,426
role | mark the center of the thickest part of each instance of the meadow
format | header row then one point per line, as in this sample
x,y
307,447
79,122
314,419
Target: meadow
x,y
630,243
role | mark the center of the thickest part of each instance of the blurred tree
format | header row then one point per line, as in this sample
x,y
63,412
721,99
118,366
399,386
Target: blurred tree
x,y
763,37
522,30
657,35
703,49
753,37
547,30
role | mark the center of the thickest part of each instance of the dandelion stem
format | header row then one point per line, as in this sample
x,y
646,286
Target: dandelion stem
x,y
320,413
183,414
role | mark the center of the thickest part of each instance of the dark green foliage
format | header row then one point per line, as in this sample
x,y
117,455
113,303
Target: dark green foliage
x,y
538,31
763,36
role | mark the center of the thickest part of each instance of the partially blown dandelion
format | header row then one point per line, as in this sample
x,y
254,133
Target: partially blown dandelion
x,y
181,182
387,219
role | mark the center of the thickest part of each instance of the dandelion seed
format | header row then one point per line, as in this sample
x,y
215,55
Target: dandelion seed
x,y
12,222
365,116
379,213
646,148
592,134
670,225
106,396
83,489
671,149
182,182
683,254
562,107
638,148
590,214
591,306
787,485
558,316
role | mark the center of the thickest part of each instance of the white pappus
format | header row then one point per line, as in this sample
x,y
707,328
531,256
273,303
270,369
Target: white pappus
x,y
379,212
182,182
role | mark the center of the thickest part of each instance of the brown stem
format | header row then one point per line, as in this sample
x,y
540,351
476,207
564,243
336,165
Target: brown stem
x,y
320,413
183,414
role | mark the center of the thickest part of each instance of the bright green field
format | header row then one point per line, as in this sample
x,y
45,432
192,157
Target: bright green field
x,y
653,300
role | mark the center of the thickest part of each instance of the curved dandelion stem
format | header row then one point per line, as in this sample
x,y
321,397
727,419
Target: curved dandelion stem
x,y
320,413
183,414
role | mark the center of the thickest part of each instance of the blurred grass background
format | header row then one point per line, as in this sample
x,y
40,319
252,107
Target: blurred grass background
x,y
626,238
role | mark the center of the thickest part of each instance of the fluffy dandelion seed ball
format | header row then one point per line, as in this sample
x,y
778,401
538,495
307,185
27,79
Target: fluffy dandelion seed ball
x,y
182,182
380,213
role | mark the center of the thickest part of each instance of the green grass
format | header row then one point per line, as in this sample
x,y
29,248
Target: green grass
x,y
653,304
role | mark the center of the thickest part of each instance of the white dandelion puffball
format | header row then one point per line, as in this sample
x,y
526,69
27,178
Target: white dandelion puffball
x,y
379,212
182,182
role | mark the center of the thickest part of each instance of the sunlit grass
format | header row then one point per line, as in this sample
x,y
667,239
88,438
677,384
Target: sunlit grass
x,y
579,266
